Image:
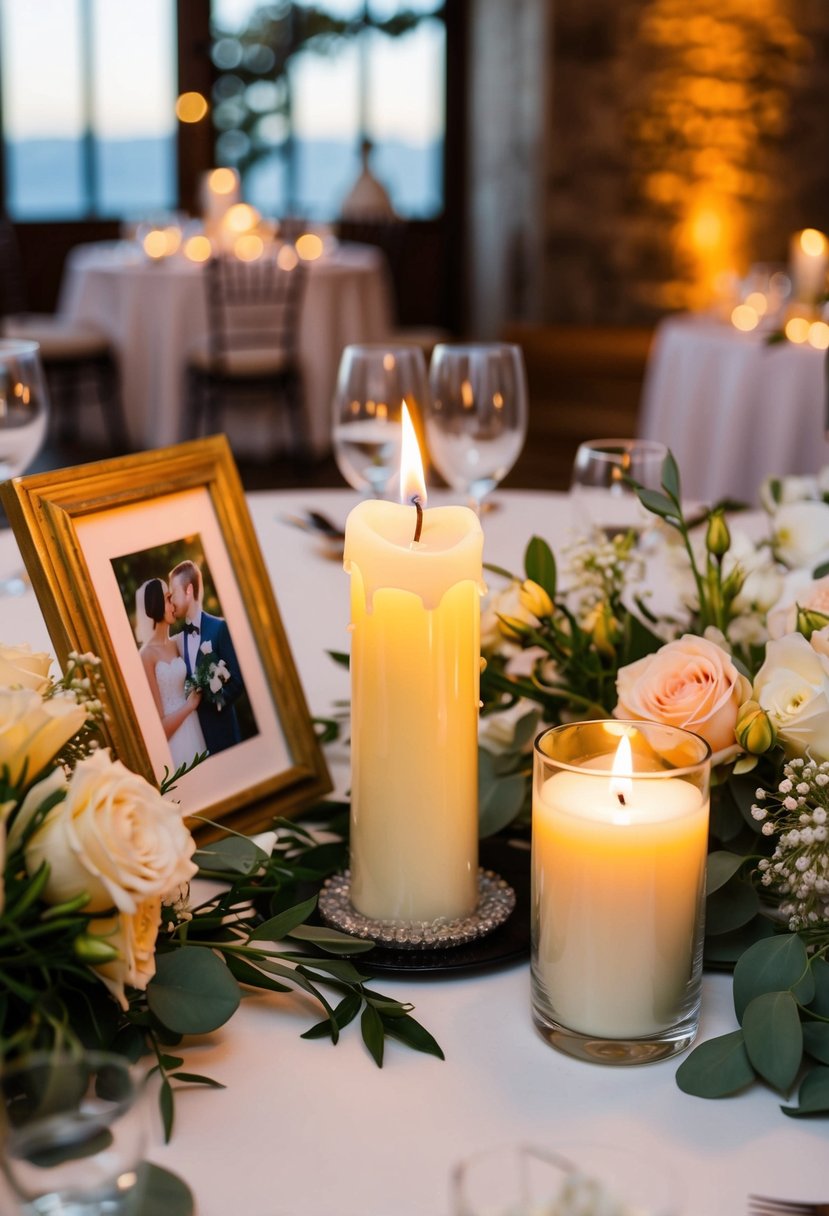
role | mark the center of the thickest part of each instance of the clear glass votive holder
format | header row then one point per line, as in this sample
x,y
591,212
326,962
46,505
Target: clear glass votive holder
x,y
619,845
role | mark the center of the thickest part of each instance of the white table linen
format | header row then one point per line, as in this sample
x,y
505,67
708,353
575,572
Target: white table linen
x,y
308,1129
153,312
732,409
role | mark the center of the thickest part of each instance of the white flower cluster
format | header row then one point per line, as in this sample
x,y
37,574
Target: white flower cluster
x,y
598,571
798,813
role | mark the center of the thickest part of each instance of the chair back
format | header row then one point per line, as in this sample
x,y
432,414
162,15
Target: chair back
x,y
12,281
253,305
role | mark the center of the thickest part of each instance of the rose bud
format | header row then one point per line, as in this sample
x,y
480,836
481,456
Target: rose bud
x,y
717,538
754,729
534,599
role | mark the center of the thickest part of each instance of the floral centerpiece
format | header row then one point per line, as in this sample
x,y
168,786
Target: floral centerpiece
x,y
102,941
740,655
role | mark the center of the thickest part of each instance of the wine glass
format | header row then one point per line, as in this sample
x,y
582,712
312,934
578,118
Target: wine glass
x,y
374,381
24,413
601,496
476,422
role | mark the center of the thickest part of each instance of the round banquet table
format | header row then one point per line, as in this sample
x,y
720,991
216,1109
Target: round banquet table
x,y
732,409
309,1129
154,311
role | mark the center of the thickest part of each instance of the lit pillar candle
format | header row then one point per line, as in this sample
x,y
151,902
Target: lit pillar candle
x,y
415,669
618,867
809,258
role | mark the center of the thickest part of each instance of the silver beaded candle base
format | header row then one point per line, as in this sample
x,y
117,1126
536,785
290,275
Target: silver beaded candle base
x,y
496,900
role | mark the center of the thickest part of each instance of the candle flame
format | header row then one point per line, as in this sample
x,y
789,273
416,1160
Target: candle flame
x,y
412,483
621,783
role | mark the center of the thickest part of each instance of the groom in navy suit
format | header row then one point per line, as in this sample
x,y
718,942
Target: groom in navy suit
x,y
219,725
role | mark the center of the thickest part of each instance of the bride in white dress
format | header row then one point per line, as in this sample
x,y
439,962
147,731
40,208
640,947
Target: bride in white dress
x,y
166,672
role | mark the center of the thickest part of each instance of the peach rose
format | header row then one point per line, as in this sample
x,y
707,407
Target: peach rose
x,y
691,683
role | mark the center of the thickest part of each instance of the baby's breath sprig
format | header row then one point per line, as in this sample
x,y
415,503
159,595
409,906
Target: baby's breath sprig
x,y
797,813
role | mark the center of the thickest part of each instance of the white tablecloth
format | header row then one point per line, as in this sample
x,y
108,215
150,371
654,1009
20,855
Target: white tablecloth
x,y
154,311
308,1129
732,409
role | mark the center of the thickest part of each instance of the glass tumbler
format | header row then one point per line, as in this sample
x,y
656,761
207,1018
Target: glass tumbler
x,y
619,843
74,1131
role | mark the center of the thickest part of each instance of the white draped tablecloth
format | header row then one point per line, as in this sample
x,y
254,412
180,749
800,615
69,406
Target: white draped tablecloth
x,y
153,312
732,409
309,1129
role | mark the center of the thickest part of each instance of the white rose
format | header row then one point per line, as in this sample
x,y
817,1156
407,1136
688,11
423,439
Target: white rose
x,y
113,836
763,578
206,648
799,591
496,732
33,731
793,687
215,684
21,667
134,937
691,683
801,534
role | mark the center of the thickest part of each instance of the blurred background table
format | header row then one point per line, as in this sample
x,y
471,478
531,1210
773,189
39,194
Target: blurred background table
x,y
732,409
154,311
307,1127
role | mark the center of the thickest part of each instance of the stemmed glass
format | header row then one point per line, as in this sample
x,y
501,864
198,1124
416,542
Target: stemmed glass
x,y
476,422
601,495
24,413
373,382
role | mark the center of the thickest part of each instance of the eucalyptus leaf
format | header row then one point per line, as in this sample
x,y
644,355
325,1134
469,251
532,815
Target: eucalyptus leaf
x,y
278,927
816,1040
774,1038
820,974
813,1095
722,866
233,855
192,992
340,968
165,1192
540,565
716,1068
730,907
774,965
371,1026
499,798
724,949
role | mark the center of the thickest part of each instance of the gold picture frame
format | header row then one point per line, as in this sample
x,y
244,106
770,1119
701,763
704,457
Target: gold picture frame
x,y
88,536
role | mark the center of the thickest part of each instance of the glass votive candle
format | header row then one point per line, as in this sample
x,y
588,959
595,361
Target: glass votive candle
x,y
619,845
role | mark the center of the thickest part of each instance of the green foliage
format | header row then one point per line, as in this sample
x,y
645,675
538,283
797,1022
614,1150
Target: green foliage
x,y
777,986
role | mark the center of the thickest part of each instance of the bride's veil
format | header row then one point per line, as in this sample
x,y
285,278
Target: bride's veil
x,y
144,623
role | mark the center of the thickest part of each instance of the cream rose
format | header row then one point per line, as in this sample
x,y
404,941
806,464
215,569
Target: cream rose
x,y
22,667
691,683
134,938
32,731
793,687
799,591
113,836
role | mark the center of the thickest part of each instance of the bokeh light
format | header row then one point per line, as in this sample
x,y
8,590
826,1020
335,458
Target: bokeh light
x,y
191,107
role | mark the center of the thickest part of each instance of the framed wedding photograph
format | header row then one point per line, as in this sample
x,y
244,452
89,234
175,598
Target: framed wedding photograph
x,y
151,562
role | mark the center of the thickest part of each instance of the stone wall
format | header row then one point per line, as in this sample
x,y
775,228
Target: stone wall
x,y
640,149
